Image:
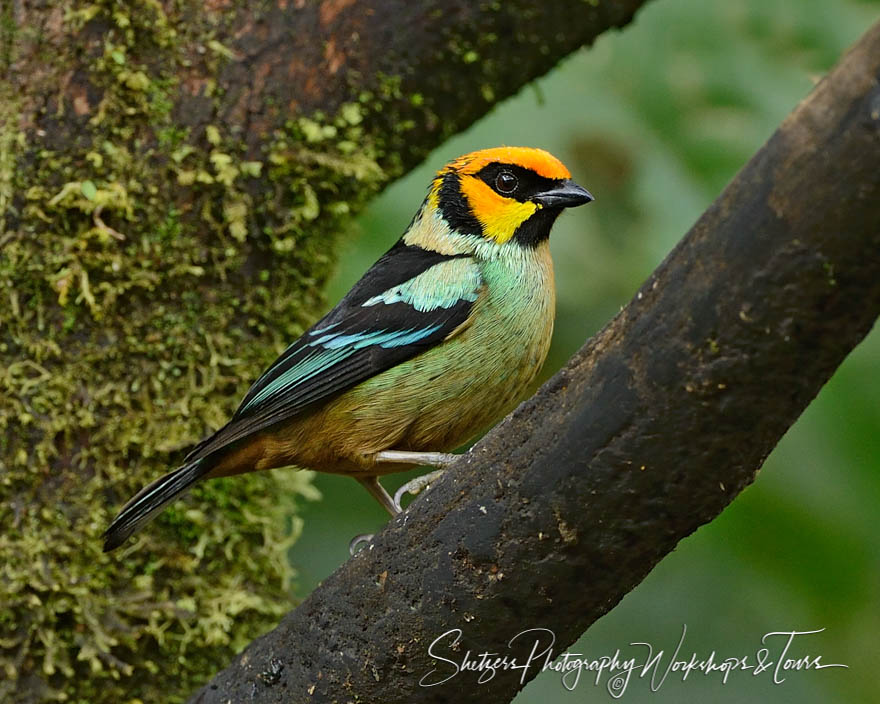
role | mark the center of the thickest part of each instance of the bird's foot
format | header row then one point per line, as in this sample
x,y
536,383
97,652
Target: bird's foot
x,y
356,541
416,485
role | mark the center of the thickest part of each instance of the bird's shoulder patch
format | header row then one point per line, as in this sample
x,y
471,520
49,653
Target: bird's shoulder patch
x,y
442,285
404,261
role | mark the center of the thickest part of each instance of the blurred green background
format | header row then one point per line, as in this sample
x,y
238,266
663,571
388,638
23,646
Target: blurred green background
x,y
655,120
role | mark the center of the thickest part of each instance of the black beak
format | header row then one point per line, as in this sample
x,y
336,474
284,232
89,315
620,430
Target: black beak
x,y
567,194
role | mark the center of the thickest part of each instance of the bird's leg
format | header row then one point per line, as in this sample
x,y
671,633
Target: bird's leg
x,y
414,486
377,491
431,459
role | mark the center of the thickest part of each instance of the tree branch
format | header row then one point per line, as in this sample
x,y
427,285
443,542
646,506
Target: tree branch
x,y
648,432
458,57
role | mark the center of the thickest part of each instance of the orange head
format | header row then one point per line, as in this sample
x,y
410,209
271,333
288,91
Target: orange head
x,y
505,193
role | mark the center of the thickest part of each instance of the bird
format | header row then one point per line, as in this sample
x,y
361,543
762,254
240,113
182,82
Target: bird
x,y
438,340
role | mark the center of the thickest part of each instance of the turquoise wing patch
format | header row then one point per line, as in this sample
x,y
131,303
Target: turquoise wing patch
x,y
442,286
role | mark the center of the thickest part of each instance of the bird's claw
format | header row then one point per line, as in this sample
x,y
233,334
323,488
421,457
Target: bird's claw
x,y
416,485
364,538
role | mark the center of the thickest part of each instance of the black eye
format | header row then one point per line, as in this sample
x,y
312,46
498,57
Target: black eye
x,y
506,182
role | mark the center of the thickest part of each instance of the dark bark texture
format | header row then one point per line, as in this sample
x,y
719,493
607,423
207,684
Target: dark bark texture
x,y
649,432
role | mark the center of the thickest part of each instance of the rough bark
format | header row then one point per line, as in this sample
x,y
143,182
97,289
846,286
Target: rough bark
x,y
174,176
648,432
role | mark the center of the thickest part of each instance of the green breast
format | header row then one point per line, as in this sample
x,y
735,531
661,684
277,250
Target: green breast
x,y
452,391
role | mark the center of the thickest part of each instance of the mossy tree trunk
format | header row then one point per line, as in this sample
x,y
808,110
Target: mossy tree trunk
x,y
173,179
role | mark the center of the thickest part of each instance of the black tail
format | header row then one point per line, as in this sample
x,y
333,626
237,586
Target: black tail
x,y
150,500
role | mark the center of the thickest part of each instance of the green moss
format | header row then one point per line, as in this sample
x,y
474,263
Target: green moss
x,y
147,275
7,33
8,139
829,272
